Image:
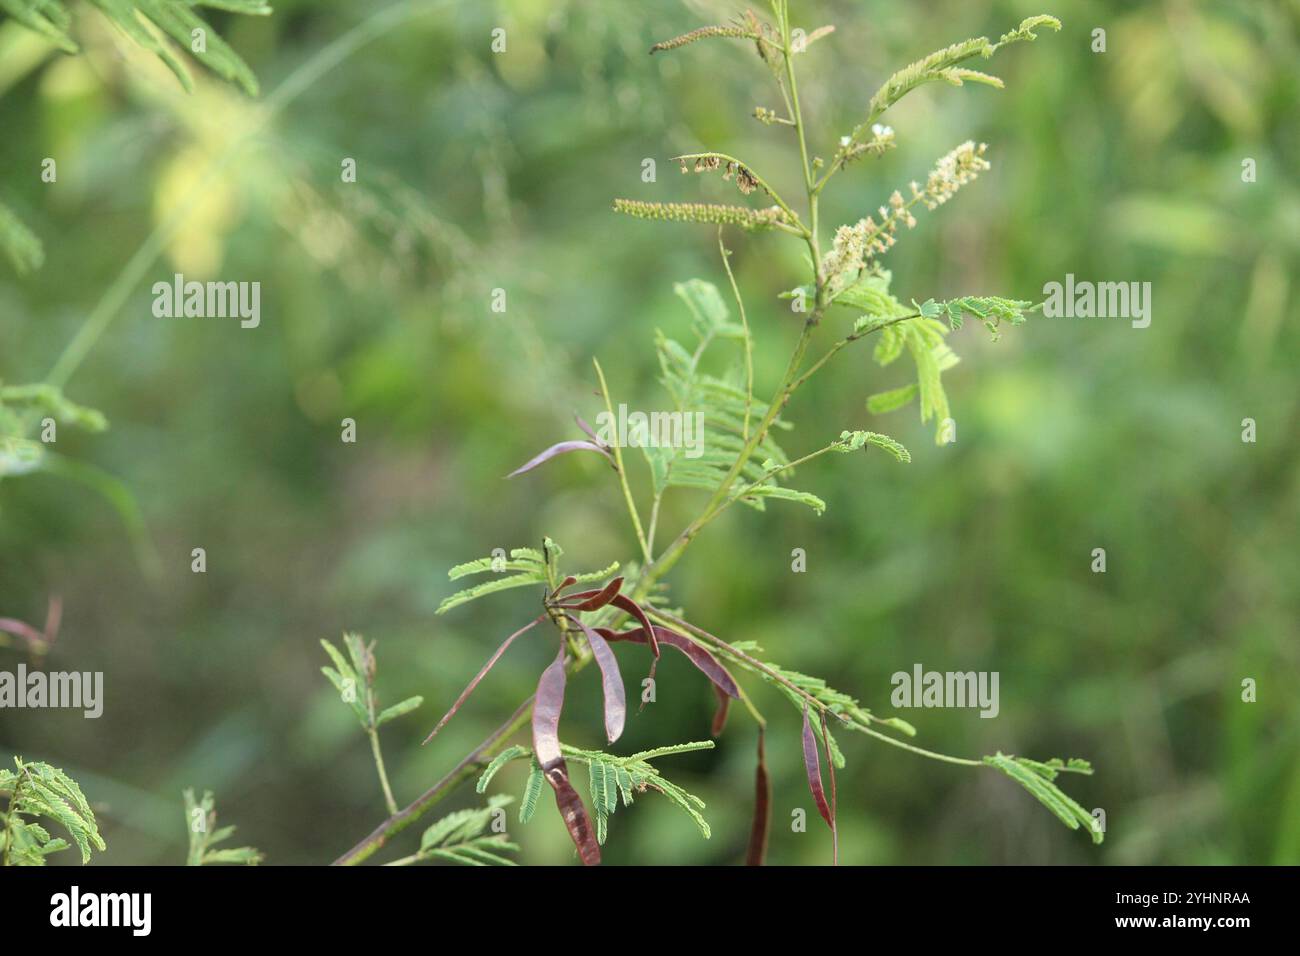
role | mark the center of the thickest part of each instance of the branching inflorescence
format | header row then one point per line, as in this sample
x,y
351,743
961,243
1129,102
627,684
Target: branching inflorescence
x,y
741,461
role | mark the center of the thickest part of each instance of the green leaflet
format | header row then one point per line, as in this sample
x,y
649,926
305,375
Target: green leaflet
x,y
989,309
612,778
499,761
532,792
852,441
354,678
461,838
924,340
604,574
201,821
600,786
785,494
529,566
36,790
346,679
397,710
490,587
721,400
941,65
708,309
1037,777
928,68
891,400
890,345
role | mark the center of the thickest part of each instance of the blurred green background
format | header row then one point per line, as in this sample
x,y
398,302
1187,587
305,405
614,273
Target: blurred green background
x,y
479,171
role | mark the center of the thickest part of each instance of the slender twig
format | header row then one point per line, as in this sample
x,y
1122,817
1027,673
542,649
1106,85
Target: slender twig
x,y
469,765
852,337
622,472
749,342
389,801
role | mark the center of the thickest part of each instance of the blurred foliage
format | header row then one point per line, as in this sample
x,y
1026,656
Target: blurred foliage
x,y
479,171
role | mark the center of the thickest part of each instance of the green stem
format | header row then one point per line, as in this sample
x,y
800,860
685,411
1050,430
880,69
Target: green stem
x,y
622,472
469,766
389,801
772,472
846,340
749,343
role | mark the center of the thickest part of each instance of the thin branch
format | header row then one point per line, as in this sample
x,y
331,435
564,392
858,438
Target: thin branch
x,y
622,472
468,766
853,337
749,342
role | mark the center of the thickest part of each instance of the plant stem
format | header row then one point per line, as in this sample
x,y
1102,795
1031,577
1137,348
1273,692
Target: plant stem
x,y
749,343
845,341
468,766
622,472
373,733
809,185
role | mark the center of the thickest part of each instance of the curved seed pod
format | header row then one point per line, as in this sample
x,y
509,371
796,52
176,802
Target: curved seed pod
x,y
567,582
699,656
559,448
482,673
625,603
812,765
586,429
593,600
574,815
762,810
611,682
830,768
546,713
546,750
720,715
